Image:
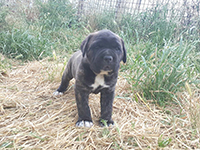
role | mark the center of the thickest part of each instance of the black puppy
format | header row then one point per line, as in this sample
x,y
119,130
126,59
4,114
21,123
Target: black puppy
x,y
95,69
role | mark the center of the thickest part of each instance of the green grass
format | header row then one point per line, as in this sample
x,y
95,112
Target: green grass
x,y
3,14
56,14
163,143
163,53
54,29
159,73
24,44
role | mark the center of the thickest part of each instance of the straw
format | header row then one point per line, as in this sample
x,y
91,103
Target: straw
x,y
32,118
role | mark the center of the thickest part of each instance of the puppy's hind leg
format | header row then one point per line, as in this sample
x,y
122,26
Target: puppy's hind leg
x,y
67,76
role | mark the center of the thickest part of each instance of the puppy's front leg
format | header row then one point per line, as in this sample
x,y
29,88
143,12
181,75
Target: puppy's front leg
x,y
107,97
84,114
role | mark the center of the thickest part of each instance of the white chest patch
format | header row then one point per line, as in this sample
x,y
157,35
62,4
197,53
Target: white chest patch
x,y
99,81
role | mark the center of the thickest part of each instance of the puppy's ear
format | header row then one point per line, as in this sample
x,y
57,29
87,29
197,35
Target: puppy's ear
x,y
85,44
124,52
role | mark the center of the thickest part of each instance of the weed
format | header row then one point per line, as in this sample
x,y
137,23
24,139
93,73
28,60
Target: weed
x,y
56,14
80,137
131,141
104,20
105,132
163,143
4,65
116,145
3,14
37,136
24,44
7,145
160,73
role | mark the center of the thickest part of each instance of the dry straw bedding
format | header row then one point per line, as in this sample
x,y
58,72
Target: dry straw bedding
x,y
32,118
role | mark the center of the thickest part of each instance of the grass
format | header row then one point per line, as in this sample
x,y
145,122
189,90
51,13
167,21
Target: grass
x,y
24,44
51,29
160,73
162,55
164,143
54,15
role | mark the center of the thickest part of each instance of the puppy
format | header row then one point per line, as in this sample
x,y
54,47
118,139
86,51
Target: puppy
x,y
95,69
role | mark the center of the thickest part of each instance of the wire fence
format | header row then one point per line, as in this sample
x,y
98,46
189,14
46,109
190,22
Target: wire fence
x,y
183,8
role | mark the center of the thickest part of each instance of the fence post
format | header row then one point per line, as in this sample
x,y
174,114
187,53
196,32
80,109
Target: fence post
x,y
137,8
117,8
80,8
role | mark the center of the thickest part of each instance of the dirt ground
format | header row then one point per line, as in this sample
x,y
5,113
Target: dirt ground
x,y
32,118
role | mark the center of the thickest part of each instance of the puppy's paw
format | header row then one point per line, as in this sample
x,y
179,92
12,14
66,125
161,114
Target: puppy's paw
x,y
83,123
57,93
104,123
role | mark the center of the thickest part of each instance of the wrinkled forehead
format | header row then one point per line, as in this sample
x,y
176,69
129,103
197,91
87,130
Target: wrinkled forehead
x,y
106,38
106,34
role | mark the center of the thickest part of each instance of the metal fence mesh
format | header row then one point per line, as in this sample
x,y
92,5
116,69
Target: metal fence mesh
x,y
184,8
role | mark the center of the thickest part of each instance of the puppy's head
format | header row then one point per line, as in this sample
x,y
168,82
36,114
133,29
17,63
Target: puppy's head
x,y
104,50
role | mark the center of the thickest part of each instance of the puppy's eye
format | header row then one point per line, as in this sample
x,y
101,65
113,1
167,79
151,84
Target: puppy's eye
x,y
96,47
118,49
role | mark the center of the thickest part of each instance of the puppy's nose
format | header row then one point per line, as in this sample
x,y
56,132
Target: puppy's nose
x,y
108,59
